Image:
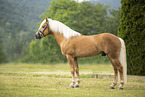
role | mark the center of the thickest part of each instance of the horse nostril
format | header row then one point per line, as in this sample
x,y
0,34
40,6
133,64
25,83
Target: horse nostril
x,y
36,35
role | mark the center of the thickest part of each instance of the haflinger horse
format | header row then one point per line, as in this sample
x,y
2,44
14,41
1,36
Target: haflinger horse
x,y
75,45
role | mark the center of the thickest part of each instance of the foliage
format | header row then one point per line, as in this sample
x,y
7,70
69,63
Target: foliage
x,y
113,21
50,51
3,57
47,51
132,30
34,52
84,17
18,19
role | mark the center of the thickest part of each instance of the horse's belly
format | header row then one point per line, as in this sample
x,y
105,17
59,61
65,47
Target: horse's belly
x,y
86,51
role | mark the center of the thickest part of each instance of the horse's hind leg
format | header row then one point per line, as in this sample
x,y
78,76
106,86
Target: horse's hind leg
x,y
77,72
119,68
71,64
115,76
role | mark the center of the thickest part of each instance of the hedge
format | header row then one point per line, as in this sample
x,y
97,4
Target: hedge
x,y
131,29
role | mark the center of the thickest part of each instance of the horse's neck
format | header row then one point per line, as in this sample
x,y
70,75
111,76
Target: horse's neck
x,y
59,38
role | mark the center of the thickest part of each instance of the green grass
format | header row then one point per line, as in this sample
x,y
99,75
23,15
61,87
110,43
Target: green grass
x,y
28,80
94,68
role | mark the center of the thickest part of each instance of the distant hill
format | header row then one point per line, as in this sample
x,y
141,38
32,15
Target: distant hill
x,y
22,12
113,3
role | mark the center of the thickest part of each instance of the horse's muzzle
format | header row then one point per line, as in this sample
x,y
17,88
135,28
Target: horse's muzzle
x,y
37,36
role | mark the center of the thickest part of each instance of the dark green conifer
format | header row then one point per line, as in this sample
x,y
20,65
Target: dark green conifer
x,y
132,30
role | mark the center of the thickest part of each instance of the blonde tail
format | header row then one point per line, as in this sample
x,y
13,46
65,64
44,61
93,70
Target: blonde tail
x,y
122,59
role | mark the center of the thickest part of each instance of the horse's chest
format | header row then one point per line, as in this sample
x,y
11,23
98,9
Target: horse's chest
x,y
67,49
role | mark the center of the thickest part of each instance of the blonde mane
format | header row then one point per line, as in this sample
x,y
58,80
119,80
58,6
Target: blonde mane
x,y
58,27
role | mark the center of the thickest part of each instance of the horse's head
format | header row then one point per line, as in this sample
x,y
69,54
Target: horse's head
x,y
43,29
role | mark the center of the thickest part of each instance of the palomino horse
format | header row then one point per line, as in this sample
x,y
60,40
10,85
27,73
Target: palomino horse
x,y
75,45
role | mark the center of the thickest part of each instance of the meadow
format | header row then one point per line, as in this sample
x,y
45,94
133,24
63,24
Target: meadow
x,y
41,80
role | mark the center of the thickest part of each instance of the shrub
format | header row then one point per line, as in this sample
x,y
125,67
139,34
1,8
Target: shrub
x,y
131,29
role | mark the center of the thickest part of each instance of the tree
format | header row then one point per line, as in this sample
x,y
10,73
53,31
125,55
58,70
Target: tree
x,y
50,51
18,24
85,17
3,57
33,53
112,22
132,30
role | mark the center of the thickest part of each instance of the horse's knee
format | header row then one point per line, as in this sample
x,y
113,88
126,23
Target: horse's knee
x,y
120,68
72,72
115,70
77,70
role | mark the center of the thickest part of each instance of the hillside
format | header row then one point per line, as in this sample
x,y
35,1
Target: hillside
x,y
113,3
21,13
18,23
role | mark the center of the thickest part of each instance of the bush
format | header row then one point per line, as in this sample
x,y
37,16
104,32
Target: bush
x,y
131,29
46,51
3,58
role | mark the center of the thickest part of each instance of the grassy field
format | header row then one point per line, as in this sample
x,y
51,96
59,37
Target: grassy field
x,y
28,80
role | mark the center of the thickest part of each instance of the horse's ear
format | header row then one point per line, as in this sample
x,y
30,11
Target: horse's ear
x,y
46,20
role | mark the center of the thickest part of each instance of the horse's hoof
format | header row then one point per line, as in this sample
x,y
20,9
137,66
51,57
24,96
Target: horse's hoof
x,y
76,86
120,88
71,86
111,87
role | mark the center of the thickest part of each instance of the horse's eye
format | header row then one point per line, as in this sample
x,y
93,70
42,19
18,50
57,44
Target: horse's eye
x,y
43,26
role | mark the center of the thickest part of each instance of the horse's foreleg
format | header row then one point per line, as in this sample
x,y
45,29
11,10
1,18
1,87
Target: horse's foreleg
x,y
71,64
77,72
